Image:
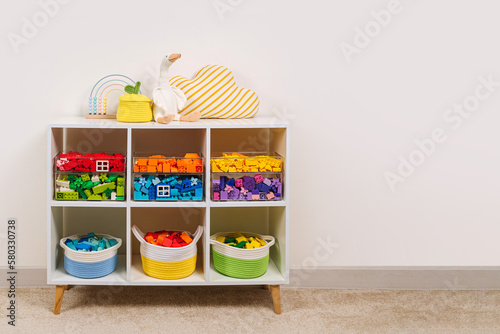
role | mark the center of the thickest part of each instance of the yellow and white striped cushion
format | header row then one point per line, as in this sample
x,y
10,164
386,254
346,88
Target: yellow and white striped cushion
x,y
213,92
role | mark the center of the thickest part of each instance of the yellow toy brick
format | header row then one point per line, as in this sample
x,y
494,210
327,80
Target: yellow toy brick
x,y
237,234
248,245
262,242
240,239
255,244
221,239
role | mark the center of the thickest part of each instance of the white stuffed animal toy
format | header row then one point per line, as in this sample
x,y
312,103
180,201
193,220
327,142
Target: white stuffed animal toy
x,y
168,100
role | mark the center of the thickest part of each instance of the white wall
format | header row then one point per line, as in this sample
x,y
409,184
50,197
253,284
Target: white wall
x,y
350,122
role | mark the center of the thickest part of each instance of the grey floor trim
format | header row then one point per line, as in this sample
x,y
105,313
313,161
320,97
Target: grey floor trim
x,y
399,278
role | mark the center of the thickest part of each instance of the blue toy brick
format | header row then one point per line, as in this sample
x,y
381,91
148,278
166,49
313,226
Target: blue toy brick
x,y
90,235
71,245
156,181
83,240
222,182
152,193
112,242
198,192
83,246
148,184
137,185
144,190
255,192
230,182
75,242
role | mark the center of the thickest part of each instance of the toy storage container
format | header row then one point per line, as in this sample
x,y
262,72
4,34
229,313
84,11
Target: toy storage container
x,y
165,262
90,264
246,177
92,177
241,262
176,177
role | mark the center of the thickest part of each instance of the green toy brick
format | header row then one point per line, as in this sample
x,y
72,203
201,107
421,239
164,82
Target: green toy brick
x,y
59,195
120,191
120,198
94,197
228,240
85,177
87,184
112,177
241,244
82,193
101,188
103,177
70,195
87,192
120,181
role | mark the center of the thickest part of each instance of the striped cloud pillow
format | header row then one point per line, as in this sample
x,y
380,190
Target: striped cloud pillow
x,y
213,92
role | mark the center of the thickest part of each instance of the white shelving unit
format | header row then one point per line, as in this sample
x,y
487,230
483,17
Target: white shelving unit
x,y
116,218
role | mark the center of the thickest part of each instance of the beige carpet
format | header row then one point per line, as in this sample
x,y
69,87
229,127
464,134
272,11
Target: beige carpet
x,y
250,310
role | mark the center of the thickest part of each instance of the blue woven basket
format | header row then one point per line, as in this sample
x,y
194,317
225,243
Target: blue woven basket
x,y
90,264
90,270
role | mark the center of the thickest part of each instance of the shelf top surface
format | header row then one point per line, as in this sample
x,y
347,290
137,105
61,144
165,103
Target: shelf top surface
x,y
256,122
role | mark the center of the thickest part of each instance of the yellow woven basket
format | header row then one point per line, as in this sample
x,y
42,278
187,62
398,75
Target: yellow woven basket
x,y
134,108
168,263
168,270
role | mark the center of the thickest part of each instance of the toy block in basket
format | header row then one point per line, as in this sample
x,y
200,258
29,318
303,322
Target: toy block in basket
x,y
97,176
168,178
247,177
241,255
90,255
164,255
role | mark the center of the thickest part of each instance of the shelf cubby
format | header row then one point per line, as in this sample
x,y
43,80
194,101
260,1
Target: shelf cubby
x,y
67,221
150,219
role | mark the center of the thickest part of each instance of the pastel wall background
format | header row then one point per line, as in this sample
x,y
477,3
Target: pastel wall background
x,y
352,117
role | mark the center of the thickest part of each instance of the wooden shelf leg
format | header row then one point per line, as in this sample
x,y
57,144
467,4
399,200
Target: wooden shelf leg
x,y
266,287
59,297
275,291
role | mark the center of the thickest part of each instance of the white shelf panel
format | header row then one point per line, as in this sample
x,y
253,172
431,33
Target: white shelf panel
x,y
246,204
272,277
117,277
138,277
256,122
89,204
167,204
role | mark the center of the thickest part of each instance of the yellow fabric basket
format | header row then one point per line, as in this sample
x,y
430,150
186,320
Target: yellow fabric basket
x,y
168,263
134,108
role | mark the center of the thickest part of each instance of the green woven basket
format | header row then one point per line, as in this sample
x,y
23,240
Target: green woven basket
x,y
239,268
241,263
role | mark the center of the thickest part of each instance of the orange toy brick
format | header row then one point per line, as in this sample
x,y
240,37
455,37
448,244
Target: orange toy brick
x,y
150,239
191,155
173,169
159,168
191,168
160,239
143,169
151,169
136,169
142,162
152,162
186,238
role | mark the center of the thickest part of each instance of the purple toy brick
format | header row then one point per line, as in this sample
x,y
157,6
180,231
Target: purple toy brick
x,y
255,192
215,185
249,183
249,196
262,187
241,197
277,196
222,182
262,196
233,195
267,181
223,195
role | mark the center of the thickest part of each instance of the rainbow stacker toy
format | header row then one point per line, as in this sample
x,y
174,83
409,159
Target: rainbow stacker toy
x,y
98,99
